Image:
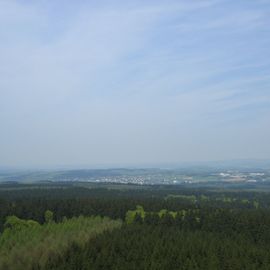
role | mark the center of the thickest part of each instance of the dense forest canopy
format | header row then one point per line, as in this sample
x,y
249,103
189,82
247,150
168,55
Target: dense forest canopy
x,y
131,227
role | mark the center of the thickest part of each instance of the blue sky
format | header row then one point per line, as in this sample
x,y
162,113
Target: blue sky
x,y
133,82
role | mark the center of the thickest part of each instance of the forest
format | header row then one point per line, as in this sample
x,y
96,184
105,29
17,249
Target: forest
x,y
61,226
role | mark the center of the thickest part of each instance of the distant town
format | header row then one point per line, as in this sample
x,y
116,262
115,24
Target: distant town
x,y
175,178
143,176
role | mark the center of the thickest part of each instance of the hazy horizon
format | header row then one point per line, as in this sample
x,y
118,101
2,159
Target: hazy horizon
x,y
118,82
215,165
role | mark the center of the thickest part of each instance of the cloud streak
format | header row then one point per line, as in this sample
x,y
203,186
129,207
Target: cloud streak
x,y
133,82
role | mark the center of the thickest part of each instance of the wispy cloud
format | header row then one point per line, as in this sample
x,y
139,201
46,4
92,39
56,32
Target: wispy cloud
x,y
81,77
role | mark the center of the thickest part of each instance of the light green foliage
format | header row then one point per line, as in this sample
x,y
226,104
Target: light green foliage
x,y
256,204
162,212
140,210
48,216
227,199
173,214
25,243
183,213
32,223
14,224
204,198
191,198
130,215
245,201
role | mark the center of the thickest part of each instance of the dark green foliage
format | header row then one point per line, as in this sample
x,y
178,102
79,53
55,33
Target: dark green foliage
x,y
161,248
63,199
165,228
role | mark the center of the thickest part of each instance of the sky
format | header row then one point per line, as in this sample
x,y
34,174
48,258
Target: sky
x,y
118,83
